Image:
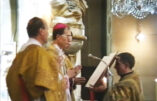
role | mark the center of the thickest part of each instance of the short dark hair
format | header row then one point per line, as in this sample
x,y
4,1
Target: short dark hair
x,y
127,58
34,25
57,32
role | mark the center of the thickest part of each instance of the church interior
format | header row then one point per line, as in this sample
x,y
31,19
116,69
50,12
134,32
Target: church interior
x,y
99,27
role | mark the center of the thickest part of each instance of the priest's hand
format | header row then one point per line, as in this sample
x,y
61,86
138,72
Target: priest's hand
x,y
79,80
71,73
78,69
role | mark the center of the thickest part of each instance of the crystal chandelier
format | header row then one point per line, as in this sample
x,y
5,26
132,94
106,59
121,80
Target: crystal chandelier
x,y
137,8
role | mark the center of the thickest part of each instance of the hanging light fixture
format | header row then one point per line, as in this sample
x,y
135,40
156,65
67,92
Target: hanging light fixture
x,y
139,36
137,8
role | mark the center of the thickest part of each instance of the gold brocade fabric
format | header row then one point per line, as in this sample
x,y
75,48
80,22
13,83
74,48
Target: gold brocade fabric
x,y
60,96
39,72
69,65
128,89
52,50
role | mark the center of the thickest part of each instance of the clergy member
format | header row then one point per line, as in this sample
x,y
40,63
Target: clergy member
x,y
61,40
33,72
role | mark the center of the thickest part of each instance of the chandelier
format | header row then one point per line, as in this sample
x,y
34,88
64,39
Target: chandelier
x,y
137,8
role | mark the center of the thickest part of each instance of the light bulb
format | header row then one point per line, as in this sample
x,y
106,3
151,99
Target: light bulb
x,y
155,80
140,37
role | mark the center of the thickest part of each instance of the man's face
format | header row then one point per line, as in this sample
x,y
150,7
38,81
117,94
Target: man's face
x,y
120,67
65,39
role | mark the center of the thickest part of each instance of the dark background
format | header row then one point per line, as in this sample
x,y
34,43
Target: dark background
x,y
95,30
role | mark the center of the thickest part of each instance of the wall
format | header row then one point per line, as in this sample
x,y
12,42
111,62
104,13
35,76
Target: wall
x,y
123,39
95,31
7,47
28,9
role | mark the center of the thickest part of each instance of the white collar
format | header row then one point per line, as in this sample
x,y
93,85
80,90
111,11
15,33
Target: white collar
x,y
30,42
60,51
